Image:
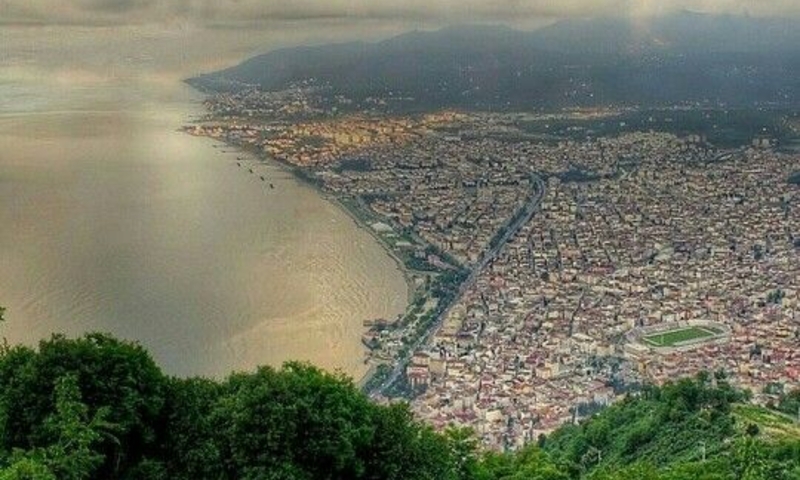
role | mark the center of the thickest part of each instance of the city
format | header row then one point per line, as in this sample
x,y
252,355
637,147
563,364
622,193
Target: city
x,y
400,240
632,230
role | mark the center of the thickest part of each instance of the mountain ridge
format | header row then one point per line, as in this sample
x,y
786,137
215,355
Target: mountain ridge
x,y
677,59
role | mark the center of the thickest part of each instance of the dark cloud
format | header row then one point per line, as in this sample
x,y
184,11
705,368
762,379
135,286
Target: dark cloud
x,y
250,12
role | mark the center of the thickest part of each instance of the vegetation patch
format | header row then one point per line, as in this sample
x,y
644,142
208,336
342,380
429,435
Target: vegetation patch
x,y
774,425
354,165
100,408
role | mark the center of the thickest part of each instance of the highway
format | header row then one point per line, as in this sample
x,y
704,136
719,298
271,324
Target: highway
x,y
510,230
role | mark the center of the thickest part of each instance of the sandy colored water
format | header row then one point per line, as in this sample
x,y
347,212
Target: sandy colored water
x,y
112,220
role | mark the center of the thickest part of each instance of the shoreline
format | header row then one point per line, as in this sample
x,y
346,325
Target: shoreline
x,y
349,211
300,176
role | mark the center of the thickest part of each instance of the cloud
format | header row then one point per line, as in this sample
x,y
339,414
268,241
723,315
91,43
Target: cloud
x,y
116,6
249,12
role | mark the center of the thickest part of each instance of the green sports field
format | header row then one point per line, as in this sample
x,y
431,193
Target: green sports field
x,y
672,337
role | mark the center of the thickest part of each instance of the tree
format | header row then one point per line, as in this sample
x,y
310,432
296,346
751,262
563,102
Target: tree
x,y
191,448
749,459
402,448
98,408
299,421
3,342
463,447
637,471
70,455
789,403
113,376
26,468
532,464
717,469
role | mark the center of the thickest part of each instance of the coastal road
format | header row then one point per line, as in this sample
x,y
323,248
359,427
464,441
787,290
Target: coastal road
x,y
511,229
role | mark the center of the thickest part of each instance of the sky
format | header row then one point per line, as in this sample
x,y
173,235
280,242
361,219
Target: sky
x,y
260,13
96,43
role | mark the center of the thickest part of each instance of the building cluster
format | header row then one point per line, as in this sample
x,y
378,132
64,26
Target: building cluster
x,y
453,194
635,230
677,234
320,143
316,143
297,101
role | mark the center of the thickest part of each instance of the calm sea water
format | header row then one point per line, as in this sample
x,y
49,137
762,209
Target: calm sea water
x,y
111,220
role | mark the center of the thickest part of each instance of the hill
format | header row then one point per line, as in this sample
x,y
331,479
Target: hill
x,y
100,408
684,58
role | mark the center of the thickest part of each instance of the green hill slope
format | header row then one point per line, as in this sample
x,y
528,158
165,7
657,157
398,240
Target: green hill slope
x,y
694,428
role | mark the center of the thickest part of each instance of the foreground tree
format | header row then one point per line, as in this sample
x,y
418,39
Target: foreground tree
x,y
116,379
72,454
99,408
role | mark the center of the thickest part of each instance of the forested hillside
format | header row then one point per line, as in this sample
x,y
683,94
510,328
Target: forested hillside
x,y
100,408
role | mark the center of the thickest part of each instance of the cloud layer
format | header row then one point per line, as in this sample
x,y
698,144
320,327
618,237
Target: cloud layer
x,y
254,12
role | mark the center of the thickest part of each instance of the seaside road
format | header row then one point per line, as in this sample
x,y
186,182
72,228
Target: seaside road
x,y
529,210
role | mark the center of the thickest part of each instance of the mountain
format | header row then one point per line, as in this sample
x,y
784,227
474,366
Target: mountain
x,y
676,59
683,33
438,67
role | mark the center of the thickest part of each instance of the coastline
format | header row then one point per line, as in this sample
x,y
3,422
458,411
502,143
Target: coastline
x,y
361,223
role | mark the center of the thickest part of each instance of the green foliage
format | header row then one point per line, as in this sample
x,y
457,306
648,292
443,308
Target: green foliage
x,y
790,403
637,471
660,426
529,464
274,421
403,448
99,408
115,377
776,297
419,264
26,468
577,175
71,455
190,442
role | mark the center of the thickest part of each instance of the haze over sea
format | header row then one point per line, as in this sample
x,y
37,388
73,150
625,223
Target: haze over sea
x,y
114,221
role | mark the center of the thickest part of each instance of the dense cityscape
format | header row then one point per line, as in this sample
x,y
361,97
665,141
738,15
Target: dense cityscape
x,y
532,258
400,240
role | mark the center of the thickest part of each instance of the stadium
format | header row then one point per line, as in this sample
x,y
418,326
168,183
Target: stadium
x,y
675,337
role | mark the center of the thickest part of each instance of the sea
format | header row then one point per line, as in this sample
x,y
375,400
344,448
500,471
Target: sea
x,y
113,220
